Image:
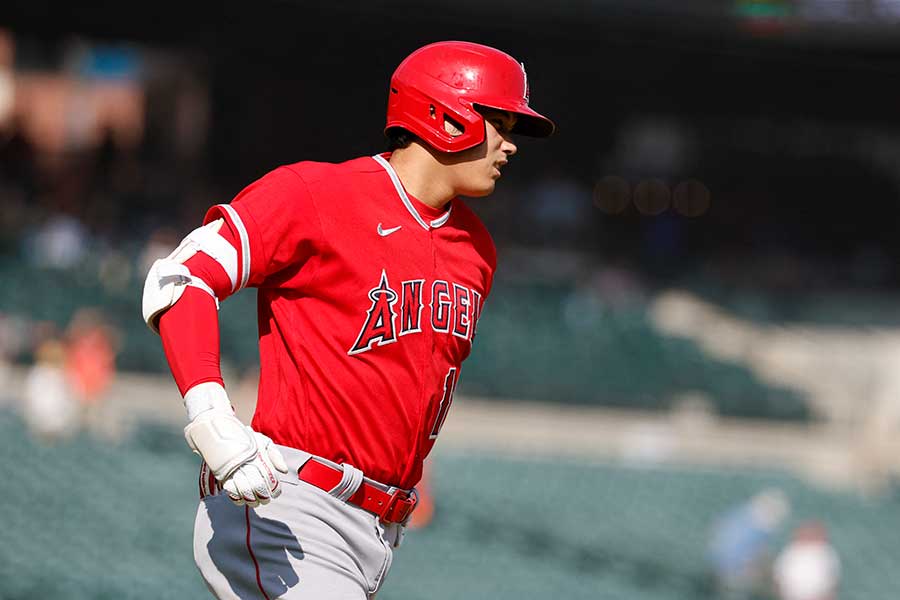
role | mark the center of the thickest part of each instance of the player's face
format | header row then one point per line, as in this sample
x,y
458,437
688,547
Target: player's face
x,y
477,170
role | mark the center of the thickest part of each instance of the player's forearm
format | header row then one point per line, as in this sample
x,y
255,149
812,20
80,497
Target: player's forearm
x,y
190,338
181,297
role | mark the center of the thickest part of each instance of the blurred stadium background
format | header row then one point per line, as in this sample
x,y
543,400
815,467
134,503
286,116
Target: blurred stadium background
x,y
693,345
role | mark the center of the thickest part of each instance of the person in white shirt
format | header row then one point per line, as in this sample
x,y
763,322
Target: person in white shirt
x,y
808,568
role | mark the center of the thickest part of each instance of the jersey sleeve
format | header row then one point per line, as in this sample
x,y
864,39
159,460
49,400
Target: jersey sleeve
x,y
277,225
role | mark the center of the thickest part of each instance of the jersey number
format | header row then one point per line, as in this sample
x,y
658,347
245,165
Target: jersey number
x,y
446,400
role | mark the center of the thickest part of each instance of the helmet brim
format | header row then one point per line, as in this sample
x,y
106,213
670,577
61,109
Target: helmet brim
x,y
528,122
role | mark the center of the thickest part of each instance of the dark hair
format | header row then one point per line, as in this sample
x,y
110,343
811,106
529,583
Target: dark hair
x,y
397,138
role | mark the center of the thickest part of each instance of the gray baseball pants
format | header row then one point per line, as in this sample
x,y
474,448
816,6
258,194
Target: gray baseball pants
x,y
304,545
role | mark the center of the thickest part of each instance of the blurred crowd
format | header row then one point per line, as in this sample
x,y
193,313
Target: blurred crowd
x,y
106,149
746,562
97,142
65,389
105,163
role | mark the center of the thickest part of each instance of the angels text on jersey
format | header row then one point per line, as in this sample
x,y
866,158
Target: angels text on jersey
x,y
452,309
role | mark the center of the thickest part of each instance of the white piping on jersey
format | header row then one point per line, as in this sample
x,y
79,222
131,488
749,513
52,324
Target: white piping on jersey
x,y
442,219
245,245
406,201
207,240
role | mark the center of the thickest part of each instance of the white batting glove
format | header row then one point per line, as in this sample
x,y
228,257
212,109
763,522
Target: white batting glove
x,y
243,461
255,482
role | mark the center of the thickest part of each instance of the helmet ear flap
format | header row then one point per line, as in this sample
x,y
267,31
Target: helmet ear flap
x,y
432,121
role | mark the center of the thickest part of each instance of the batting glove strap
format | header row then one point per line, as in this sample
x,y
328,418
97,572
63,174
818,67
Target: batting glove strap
x,y
206,396
222,440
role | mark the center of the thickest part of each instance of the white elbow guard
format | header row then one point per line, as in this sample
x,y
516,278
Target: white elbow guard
x,y
168,277
164,285
215,433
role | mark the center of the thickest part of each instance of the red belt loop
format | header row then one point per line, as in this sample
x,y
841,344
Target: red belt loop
x,y
392,506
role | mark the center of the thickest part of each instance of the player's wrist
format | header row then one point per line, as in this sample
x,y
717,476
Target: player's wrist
x,y
206,396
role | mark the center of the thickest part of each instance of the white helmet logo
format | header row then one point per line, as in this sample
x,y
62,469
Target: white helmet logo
x,y
524,83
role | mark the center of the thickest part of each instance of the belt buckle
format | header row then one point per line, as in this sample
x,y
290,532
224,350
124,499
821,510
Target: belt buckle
x,y
406,506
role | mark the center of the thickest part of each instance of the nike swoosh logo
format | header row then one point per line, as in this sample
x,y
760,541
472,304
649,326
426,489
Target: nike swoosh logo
x,y
387,232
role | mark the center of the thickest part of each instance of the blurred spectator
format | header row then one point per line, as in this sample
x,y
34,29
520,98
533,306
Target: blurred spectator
x,y
90,366
809,567
49,409
740,551
60,243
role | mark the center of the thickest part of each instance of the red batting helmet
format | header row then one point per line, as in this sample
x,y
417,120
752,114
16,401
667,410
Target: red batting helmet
x,y
453,79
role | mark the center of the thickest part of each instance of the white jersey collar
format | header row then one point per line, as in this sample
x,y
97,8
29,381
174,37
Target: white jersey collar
x,y
405,198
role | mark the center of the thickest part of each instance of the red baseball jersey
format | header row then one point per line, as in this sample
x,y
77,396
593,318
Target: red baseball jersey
x,y
368,304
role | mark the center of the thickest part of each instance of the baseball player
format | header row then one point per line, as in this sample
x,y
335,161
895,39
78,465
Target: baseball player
x,y
371,277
